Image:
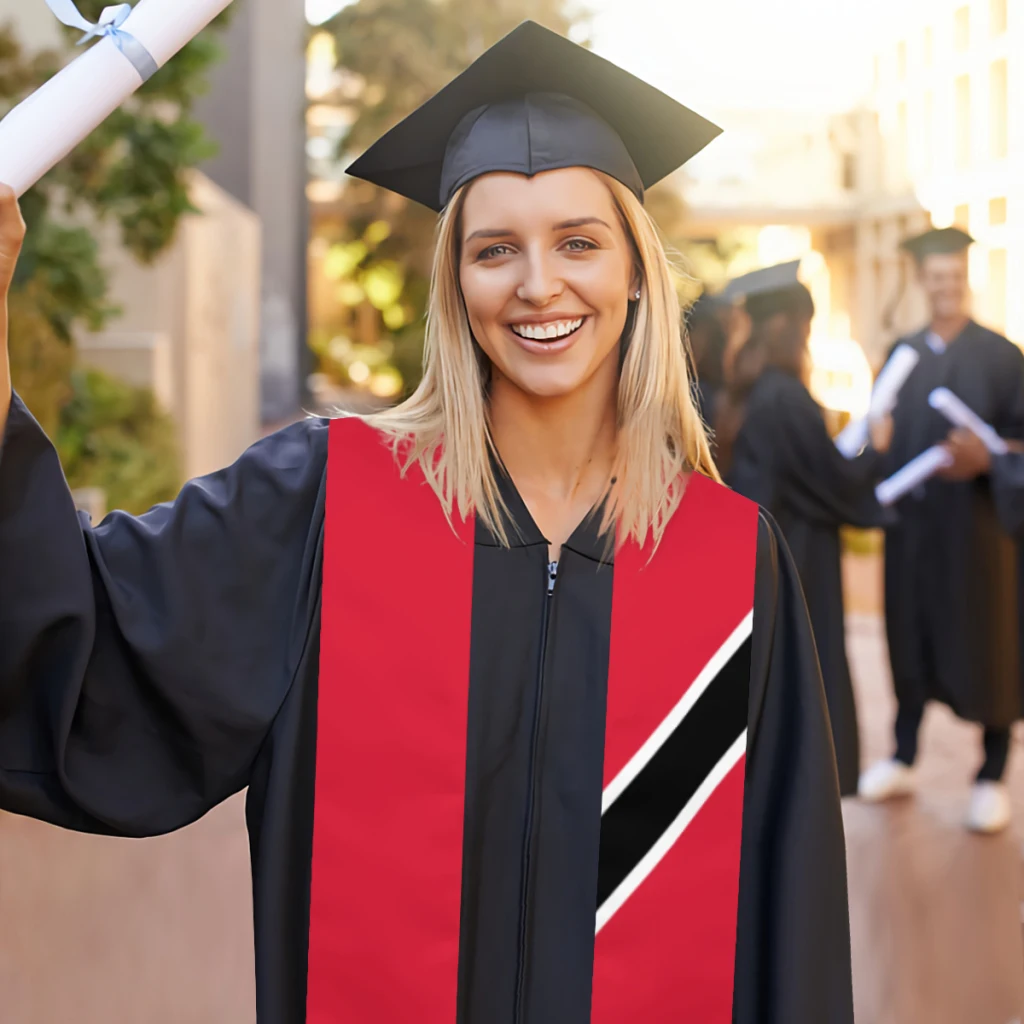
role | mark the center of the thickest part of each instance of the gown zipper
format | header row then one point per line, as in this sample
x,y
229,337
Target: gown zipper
x,y
517,1013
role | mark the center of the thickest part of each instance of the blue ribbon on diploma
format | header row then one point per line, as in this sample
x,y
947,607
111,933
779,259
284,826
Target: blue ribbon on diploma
x,y
109,25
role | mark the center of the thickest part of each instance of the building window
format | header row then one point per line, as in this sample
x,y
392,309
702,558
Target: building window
x,y
997,210
901,60
997,110
902,142
849,171
997,288
962,29
927,135
997,17
962,216
929,44
962,128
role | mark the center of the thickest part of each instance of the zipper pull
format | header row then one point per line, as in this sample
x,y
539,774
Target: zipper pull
x,y
552,576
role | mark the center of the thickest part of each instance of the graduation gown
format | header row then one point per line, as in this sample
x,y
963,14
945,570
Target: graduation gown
x,y
950,568
785,460
420,717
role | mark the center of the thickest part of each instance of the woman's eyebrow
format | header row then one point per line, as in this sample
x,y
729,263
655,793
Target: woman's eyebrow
x,y
581,222
577,222
490,233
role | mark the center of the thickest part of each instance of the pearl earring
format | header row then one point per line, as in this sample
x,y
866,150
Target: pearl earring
x,y
637,295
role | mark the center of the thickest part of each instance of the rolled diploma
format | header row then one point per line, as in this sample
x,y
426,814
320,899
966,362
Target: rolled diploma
x,y
854,436
961,415
914,473
46,126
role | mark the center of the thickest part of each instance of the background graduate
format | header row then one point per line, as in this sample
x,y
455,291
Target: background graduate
x,y
607,793
950,568
784,458
707,342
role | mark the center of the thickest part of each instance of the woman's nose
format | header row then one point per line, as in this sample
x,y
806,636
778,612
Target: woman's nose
x,y
541,284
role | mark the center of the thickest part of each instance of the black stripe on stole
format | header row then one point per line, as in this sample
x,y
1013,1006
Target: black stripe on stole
x,y
649,805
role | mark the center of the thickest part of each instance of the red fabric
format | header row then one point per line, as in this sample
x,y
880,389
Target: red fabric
x,y
391,750
668,954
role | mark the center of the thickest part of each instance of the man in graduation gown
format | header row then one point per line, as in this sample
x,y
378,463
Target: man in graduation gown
x,y
950,568
784,459
477,793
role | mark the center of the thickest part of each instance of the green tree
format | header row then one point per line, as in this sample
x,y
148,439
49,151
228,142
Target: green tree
x,y
396,54
132,171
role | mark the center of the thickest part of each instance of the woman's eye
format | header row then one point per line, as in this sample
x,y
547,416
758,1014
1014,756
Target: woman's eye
x,y
579,245
493,251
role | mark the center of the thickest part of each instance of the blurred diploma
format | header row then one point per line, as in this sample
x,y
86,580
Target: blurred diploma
x,y
912,475
132,44
854,436
961,415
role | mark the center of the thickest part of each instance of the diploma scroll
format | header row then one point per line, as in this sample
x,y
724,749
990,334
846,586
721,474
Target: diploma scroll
x,y
961,415
912,475
133,43
854,436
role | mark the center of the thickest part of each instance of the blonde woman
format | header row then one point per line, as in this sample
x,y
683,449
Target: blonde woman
x,y
526,702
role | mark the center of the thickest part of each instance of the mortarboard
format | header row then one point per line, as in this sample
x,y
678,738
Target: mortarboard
x,y
936,242
535,102
770,290
760,282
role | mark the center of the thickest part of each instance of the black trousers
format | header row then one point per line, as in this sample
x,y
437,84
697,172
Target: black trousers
x,y
996,743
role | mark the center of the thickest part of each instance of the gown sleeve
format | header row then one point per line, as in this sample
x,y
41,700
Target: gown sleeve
x,y
1007,476
815,479
142,661
793,943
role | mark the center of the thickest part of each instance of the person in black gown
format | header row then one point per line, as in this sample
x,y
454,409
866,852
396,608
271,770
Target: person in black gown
x,y
950,568
784,459
707,341
526,702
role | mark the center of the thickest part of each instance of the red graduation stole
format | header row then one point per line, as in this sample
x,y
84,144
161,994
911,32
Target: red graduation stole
x,y
391,755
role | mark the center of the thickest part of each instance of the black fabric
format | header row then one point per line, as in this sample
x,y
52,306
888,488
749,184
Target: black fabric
x,y
533,133
995,744
908,727
481,122
150,667
784,459
951,575
646,808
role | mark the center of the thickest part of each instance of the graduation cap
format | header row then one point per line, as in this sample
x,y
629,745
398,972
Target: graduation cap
x,y
936,242
535,102
771,290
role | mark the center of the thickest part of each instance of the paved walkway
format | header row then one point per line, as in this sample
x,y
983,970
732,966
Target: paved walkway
x,y
100,931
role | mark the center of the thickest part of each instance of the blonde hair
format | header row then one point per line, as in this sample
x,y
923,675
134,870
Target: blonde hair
x,y
443,426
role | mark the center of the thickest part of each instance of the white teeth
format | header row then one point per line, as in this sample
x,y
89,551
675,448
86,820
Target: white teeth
x,y
545,332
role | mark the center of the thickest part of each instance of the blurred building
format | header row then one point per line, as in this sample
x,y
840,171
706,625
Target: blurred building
x,y
951,120
255,111
939,141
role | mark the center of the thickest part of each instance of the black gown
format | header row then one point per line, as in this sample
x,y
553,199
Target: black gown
x,y
950,568
151,667
785,460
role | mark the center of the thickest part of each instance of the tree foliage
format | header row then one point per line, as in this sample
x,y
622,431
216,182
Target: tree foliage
x,y
132,171
395,54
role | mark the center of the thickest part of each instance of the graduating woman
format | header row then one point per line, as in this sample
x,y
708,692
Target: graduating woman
x,y
784,459
526,702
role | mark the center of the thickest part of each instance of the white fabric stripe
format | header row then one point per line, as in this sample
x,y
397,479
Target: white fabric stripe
x,y
653,856
639,760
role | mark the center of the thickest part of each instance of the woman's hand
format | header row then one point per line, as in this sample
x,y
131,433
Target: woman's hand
x,y
880,432
12,233
970,456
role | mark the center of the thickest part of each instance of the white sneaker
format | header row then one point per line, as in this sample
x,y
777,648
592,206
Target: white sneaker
x,y
989,810
886,780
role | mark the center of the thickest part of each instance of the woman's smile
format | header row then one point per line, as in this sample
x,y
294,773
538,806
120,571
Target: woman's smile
x,y
548,336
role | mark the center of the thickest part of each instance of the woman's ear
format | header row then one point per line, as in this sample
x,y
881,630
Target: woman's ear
x,y
635,281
